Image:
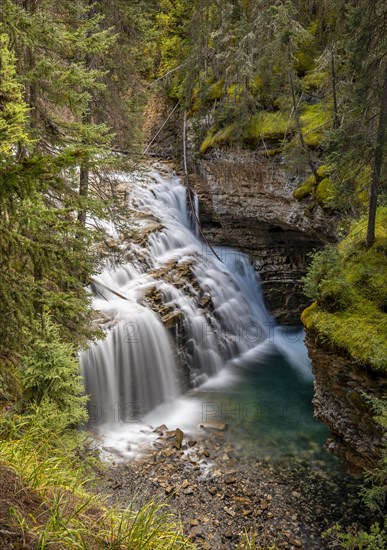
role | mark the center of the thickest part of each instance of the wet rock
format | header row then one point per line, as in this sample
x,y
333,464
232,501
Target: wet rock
x,y
161,429
214,425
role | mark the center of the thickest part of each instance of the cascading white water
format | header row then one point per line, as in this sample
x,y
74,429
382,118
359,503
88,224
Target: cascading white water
x,y
135,369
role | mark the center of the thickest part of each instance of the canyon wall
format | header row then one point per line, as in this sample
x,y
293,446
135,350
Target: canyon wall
x,y
340,402
246,202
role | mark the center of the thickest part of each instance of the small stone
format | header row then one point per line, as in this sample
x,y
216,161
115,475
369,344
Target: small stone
x,y
230,480
179,438
246,513
295,494
229,511
191,443
194,522
188,491
169,489
168,452
228,534
206,453
244,500
212,491
161,429
214,425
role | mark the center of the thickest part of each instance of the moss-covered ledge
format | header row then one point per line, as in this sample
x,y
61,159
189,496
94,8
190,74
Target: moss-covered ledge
x,y
345,328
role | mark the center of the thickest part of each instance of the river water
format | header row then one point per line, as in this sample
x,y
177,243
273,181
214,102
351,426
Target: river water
x,y
240,367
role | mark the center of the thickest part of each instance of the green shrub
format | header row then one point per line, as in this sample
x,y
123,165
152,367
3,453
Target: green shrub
x,y
353,538
50,373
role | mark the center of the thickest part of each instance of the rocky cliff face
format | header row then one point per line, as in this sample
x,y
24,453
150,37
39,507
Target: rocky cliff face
x,y
246,202
340,403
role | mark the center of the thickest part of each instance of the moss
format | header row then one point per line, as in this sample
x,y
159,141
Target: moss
x,y
283,103
304,60
256,85
206,91
215,91
235,92
315,81
306,189
323,171
308,316
218,138
362,182
351,288
271,125
325,192
315,120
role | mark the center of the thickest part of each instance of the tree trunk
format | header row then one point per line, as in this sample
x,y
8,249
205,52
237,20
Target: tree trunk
x,y
86,119
336,120
83,190
378,163
31,91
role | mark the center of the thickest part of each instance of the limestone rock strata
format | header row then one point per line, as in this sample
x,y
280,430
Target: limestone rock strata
x,y
246,202
339,402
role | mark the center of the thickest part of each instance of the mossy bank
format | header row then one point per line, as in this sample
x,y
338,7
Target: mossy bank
x,y
346,327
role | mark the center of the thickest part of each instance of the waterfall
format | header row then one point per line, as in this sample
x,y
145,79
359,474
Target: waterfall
x,y
138,366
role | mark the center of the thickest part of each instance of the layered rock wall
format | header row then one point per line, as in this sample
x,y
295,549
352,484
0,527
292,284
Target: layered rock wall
x,y
340,402
246,202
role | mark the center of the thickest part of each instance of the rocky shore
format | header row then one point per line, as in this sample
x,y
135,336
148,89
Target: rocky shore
x,y
223,497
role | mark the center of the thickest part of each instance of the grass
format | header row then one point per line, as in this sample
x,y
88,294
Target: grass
x,y
73,514
349,286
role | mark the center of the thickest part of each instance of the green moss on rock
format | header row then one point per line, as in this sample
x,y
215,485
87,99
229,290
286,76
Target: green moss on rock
x,y
315,120
323,171
306,189
349,287
314,81
325,192
271,125
219,138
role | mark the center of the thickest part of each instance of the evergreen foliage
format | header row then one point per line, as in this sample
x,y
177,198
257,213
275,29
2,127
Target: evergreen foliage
x,y
50,374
